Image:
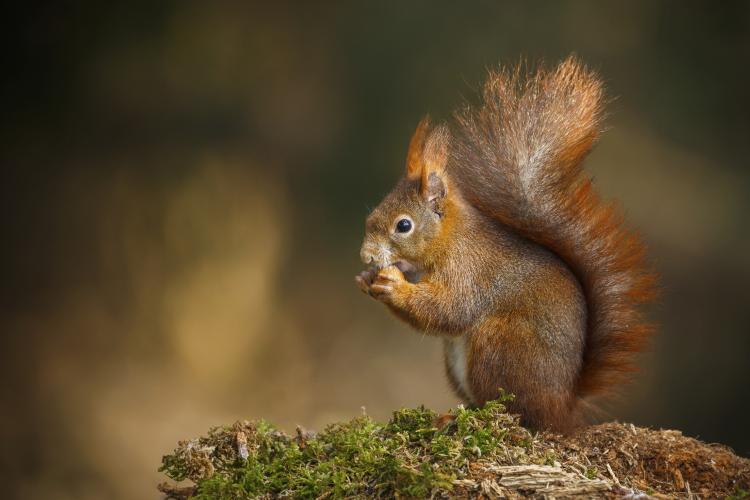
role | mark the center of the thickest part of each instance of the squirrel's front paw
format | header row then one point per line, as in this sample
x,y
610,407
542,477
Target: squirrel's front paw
x,y
365,278
384,284
388,283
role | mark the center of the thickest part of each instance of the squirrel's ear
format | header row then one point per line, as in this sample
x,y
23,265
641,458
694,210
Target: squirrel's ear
x,y
427,158
434,182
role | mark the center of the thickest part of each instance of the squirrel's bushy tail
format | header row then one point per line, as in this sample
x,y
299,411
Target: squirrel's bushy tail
x,y
517,157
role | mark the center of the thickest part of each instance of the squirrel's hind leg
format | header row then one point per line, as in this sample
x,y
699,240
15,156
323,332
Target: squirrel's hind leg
x,y
506,353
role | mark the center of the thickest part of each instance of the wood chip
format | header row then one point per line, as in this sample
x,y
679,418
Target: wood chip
x,y
679,482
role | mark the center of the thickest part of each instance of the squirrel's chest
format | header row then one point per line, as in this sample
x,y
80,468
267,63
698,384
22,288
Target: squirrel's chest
x,y
457,364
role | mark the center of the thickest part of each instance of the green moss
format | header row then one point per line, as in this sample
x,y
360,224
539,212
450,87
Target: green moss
x,y
408,456
739,494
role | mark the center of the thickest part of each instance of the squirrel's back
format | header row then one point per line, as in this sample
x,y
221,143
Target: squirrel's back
x,y
517,158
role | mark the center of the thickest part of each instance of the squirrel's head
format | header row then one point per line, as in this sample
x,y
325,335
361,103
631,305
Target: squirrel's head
x,y
401,229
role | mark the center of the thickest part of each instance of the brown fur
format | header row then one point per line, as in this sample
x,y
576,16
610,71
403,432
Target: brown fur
x,y
514,251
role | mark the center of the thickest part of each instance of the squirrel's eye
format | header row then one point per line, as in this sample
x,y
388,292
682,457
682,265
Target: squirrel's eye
x,y
403,226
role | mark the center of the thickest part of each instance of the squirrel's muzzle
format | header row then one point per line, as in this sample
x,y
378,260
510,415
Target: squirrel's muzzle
x,y
375,254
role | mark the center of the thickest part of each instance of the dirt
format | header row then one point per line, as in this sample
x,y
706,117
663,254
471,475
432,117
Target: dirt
x,y
656,461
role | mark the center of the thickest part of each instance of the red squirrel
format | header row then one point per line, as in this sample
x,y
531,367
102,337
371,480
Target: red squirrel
x,y
495,241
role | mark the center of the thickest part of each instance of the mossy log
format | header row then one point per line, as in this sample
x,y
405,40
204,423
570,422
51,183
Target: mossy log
x,y
472,453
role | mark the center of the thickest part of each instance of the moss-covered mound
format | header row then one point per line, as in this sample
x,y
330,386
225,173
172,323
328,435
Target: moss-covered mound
x,y
477,452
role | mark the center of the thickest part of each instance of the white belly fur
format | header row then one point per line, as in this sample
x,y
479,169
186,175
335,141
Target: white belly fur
x,y
458,363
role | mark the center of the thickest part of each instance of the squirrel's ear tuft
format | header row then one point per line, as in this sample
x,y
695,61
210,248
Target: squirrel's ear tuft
x,y
415,158
434,183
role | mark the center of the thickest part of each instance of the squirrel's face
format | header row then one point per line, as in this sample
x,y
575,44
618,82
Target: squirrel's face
x,y
401,230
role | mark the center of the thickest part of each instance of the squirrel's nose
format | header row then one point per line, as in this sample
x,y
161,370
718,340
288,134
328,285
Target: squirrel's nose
x,y
366,254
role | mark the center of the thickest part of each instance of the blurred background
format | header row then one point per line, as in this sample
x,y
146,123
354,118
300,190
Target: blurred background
x,y
184,187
